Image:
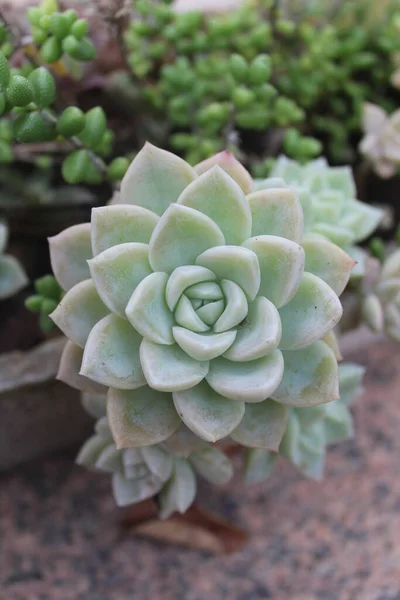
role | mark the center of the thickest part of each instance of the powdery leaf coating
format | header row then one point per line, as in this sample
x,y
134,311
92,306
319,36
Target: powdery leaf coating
x,y
180,491
155,179
328,261
140,417
276,211
226,161
262,426
68,371
69,252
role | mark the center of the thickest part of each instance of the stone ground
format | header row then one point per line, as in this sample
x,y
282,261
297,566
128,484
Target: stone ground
x,y
336,540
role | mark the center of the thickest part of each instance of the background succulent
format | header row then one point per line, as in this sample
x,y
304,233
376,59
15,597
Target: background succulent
x,y
12,276
213,319
310,431
165,471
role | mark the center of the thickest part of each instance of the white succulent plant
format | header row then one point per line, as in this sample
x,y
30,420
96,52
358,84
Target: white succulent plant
x,y
12,276
195,298
381,142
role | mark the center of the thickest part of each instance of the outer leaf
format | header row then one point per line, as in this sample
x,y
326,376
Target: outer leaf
x,y
140,417
69,252
259,334
309,316
212,464
281,264
262,426
230,165
148,312
110,459
180,491
94,404
206,413
68,371
259,464
236,307
155,179
310,377
118,224
79,311
362,219
328,262
235,263
203,347
111,355
12,276
117,272
159,461
180,236
169,369
91,450
277,212
182,278
350,382
251,381
131,491
219,197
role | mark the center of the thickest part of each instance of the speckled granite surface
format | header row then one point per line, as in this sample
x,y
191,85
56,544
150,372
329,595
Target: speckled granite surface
x,y
339,540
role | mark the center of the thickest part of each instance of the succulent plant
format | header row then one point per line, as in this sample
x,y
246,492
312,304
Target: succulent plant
x,y
386,308
310,431
165,471
328,198
192,300
381,142
12,276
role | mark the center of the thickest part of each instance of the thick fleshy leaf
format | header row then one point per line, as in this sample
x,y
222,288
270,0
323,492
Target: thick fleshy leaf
x,y
186,316
251,381
310,377
277,212
180,236
169,368
212,464
158,461
235,263
309,316
12,276
68,371
281,265
230,165
341,236
155,179
111,355
140,417
362,219
131,491
332,341
91,450
110,459
208,414
117,272
210,313
262,426
329,262
94,404
236,306
180,491
259,464
134,464
219,197
148,312
182,278
205,346
350,382
259,334
114,225
208,290
184,441
69,252
78,312
338,423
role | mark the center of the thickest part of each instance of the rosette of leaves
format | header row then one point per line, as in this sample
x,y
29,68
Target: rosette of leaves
x,y
158,471
328,198
310,431
192,299
384,305
12,275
